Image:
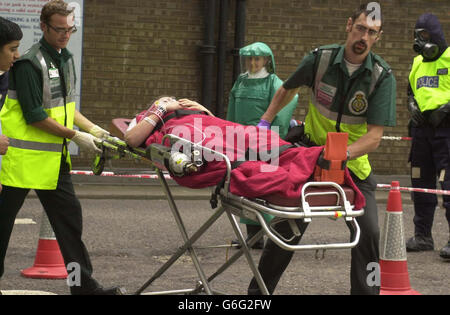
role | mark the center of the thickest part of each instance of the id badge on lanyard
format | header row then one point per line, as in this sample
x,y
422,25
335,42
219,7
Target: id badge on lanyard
x,y
53,73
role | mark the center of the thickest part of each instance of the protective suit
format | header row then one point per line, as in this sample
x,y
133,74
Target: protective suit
x,y
253,91
429,105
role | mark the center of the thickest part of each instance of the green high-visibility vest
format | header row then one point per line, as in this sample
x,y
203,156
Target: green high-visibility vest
x,y
34,156
430,81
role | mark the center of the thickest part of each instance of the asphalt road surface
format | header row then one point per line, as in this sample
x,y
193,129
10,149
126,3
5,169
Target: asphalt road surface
x,y
128,240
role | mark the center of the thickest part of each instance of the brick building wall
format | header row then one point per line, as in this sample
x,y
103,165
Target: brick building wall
x,y
136,50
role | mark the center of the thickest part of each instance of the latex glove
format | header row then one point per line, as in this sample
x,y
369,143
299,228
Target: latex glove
x,y
264,124
99,132
86,141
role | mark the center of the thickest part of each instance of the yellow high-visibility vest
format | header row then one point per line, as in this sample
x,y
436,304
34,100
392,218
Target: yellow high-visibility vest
x,y
430,81
34,156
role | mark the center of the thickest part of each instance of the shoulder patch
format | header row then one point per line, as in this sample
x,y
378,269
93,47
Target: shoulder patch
x,y
329,47
358,104
382,63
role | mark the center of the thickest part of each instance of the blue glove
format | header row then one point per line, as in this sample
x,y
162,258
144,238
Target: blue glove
x,y
264,124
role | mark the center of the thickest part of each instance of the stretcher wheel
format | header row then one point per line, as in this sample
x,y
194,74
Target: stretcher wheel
x,y
98,164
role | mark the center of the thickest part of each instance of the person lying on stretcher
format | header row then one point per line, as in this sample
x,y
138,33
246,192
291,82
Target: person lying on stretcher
x,y
263,163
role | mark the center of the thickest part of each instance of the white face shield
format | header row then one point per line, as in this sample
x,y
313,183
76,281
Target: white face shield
x,y
254,65
165,100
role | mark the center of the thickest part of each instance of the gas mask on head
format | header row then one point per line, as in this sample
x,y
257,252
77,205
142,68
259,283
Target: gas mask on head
x,y
423,44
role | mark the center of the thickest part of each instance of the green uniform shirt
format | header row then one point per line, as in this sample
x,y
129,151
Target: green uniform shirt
x,y
29,91
362,98
381,106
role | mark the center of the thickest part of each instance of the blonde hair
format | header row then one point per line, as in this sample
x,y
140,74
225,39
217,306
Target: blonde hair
x,y
55,7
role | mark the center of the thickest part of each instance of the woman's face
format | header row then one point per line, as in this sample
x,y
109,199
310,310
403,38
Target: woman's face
x,y
168,102
255,63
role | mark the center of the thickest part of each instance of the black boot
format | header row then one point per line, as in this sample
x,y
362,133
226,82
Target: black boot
x,y
420,243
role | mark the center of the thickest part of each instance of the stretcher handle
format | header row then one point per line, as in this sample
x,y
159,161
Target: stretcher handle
x,y
345,210
355,232
289,212
346,204
256,209
114,144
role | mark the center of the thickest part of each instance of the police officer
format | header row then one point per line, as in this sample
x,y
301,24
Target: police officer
x,y
249,98
354,91
38,116
429,105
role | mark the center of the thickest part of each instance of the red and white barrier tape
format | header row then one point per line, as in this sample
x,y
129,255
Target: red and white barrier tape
x,y
167,176
422,190
112,174
395,138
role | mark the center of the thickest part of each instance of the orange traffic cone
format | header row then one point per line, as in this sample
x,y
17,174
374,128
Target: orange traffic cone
x,y
49,263
393,263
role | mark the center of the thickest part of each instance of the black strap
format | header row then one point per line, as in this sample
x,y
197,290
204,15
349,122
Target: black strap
x,y
342,103
64,92
281,149
213,201
177,114
325,164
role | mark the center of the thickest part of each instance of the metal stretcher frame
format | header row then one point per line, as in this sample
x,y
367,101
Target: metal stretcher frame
x,y
240,206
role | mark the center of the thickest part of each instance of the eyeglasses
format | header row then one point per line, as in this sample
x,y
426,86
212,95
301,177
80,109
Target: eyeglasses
x,y
63,31
363,30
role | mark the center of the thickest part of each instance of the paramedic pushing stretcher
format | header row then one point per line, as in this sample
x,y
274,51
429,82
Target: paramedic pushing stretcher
x,y
353,91
37,117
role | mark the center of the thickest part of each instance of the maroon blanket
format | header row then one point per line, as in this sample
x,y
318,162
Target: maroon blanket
x,y
270,175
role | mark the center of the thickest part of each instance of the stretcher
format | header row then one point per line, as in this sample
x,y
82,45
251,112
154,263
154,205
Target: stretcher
x,y
317,200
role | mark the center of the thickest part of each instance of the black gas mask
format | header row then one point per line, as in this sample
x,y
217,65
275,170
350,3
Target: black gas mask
x,y
423,44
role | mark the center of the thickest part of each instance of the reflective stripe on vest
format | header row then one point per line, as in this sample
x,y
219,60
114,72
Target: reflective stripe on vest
x,y
322,119
34,145
47,100
12,94
321,69
34,156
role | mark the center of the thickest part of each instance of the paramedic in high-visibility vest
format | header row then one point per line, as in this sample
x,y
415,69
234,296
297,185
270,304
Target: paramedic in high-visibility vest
x,y
37,117
429,105
10,36
353,91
